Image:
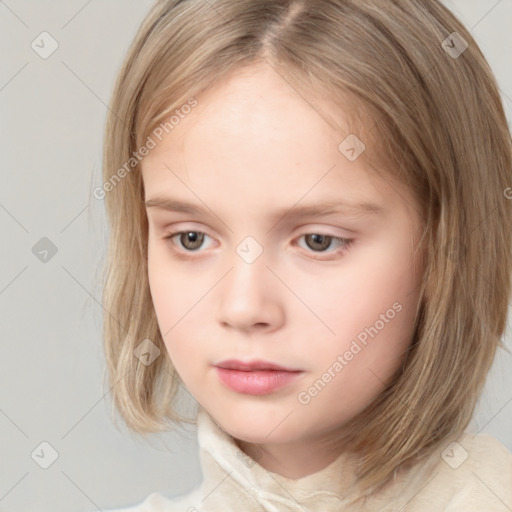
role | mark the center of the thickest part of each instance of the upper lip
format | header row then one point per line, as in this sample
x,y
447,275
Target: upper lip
x,y
254,364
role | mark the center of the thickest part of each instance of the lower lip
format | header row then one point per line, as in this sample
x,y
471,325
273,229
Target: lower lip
x,y
259,382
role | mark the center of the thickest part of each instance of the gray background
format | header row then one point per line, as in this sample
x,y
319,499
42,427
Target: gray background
x,y
51,365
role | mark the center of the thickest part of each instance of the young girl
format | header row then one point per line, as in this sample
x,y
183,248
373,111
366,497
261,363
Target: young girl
x,y
310,213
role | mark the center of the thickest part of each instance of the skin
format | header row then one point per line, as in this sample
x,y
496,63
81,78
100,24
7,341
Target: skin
x,y
253,146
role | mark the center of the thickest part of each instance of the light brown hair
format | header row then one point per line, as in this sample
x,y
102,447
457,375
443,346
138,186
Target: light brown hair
x,y
437,122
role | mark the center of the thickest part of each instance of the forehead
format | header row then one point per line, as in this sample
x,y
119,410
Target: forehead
x,y
254,139
258,100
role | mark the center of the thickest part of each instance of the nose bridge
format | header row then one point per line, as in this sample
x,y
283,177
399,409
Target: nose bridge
x,y
249,250
247,297
248,262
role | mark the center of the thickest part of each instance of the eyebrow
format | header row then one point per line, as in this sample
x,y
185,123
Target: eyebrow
x,y
339,207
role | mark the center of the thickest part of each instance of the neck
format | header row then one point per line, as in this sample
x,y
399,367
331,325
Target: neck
x,y
292,460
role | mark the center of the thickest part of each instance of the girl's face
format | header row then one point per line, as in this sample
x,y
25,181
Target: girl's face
x,y
276,266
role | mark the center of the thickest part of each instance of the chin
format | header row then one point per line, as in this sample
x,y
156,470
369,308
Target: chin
x,y
257,429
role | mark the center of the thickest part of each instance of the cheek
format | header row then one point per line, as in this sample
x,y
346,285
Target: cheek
x,y
373,319
172,294
173,289
366,286
180,299
160,282
370,307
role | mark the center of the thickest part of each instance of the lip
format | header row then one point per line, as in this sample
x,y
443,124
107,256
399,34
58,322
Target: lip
x,y
255,377
252,365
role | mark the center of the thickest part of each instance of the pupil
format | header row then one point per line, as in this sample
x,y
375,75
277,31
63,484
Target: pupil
x,y
317,239
192,238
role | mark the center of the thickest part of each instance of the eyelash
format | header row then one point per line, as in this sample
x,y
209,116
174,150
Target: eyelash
x,y
346,244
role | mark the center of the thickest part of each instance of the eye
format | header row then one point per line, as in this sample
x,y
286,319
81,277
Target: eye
x,y
189,240
318,242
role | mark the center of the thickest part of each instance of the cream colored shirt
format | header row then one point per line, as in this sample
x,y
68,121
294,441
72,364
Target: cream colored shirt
x,y
473,474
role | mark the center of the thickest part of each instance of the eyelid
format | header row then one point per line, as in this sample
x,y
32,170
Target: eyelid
x,y
346,244
303,229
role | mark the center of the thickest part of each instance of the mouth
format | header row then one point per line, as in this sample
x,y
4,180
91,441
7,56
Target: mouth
x,y
255,377
254,365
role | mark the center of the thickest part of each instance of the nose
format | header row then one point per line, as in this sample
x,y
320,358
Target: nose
x,y
249,297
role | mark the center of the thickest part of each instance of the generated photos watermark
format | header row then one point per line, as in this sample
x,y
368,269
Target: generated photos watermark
x,y
151,143
356,346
